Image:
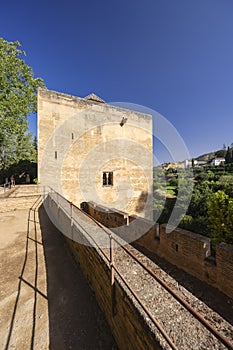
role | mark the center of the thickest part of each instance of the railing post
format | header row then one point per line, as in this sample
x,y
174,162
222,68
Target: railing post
x,y
113,295
157,230
71,220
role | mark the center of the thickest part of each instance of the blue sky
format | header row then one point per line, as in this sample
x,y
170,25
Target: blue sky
x,y
173,56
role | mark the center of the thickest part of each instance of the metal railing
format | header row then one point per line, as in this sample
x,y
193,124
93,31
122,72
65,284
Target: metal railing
x,y
68,207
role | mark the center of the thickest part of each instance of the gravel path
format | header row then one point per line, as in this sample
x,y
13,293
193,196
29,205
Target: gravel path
x,y
180,325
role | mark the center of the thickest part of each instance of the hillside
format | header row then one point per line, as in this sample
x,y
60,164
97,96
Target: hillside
x,y
211,155
206,157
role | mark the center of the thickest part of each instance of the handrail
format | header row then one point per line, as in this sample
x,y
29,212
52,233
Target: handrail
x,y
113,267
110,260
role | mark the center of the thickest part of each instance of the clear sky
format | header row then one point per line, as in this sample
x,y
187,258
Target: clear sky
x,y
174,56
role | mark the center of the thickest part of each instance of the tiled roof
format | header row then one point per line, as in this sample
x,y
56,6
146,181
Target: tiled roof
x,y
95,98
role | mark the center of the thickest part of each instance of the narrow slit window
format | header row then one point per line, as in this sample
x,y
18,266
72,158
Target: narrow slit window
x,y
72,136
55,154
108,178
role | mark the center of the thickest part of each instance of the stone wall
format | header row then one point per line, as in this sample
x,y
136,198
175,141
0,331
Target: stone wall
x,y
127,320
79,139
224,258
187,250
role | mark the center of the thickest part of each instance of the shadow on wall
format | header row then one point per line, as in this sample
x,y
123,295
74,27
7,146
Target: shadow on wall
x,y
75,320
141,202
211,296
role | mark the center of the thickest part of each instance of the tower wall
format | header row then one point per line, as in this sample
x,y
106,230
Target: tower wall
x,y
81,141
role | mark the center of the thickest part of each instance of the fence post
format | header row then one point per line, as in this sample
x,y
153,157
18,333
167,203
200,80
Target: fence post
x,y
113,294
157,230
71,220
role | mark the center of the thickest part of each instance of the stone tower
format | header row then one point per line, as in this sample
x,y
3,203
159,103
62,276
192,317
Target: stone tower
x,y
89,150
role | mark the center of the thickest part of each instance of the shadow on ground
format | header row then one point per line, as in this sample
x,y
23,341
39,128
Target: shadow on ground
x,y
211,296
75,320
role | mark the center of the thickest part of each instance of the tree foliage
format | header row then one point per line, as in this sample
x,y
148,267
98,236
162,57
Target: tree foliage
x,y
220,213
18,99
229,156
210,211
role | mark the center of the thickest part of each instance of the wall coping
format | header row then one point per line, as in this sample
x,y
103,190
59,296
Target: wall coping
x,y
53,96
225,246
191,234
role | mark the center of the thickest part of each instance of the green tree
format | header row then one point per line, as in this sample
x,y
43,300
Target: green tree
x,y
35,143
221,153
18,99
200,200
220,212
228,155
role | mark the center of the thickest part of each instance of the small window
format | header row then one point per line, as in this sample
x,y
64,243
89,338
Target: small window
x,y
72,136
55,155
108,179
176,247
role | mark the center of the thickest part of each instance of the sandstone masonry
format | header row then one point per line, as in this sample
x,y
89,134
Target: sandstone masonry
x,y
90,150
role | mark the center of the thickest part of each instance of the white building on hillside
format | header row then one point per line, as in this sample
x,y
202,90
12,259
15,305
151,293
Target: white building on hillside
x,y
217,161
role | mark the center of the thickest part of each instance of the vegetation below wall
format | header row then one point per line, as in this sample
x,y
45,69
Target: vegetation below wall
x,y
210,211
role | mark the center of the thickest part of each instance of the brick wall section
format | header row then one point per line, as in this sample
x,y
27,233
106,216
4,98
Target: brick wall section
x,y
191,252
224,257
107,217
129,326
128,227
187,250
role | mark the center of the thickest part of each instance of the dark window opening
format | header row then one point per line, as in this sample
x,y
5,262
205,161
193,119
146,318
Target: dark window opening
x,y
108,179
55,154
72,136
176,247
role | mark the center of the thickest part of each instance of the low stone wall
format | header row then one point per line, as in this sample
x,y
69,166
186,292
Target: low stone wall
x,y
187,250
128,227
128,322
224,258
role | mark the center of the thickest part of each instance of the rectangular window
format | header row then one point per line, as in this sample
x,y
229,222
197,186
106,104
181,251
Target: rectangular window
x,y
55,155
108,178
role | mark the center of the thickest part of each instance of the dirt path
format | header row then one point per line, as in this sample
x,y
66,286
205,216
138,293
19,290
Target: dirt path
x,y
45,302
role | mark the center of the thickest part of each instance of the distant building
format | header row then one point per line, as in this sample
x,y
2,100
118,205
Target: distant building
x,y
201,163
187,163
217,161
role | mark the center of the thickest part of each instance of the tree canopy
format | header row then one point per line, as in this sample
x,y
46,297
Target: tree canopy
x,y
220,212
18,89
